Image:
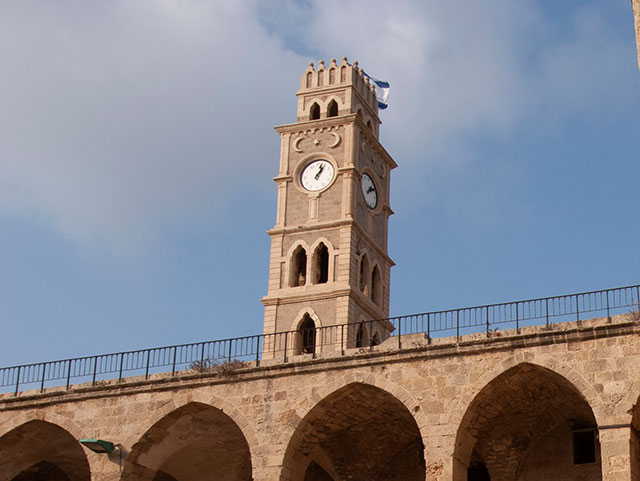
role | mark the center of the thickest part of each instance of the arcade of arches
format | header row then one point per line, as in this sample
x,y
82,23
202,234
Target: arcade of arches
x,y
552,405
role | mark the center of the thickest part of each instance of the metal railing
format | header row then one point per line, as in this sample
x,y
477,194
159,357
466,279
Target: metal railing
x,y
336,339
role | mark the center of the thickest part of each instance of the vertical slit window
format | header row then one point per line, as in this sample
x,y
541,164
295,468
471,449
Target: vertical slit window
x,y
364,275
360,336
375,285
299,270
322,264
332,111
308,334
314,112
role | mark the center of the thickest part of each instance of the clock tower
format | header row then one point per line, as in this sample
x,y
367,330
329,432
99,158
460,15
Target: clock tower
x,y
329,264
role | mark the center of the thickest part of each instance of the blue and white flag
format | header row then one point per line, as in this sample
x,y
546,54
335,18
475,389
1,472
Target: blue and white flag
x,y
382,91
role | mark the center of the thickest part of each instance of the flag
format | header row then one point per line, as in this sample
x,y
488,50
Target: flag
x,y
382,91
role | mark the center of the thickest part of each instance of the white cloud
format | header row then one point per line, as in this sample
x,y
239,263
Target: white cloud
x,y
117,118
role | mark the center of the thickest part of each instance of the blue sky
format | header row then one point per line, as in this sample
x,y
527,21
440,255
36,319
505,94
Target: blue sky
x,y
137,151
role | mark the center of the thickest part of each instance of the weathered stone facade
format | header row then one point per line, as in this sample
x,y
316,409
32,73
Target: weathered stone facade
x,y
508,403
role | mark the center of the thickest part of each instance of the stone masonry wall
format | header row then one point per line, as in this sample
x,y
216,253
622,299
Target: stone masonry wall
x,y
430,399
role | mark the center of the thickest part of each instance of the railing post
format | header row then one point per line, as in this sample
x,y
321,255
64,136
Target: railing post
x,y
608,312
121,366
638,296
458,325
69,374
487,319
400,333
258,350
173,365
18,380
342,339
428,329
546,308
517,320
44,371
146,371
577,309
95,370
229,353
286,341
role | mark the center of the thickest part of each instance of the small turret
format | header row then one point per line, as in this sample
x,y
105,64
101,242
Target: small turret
x,y
339,89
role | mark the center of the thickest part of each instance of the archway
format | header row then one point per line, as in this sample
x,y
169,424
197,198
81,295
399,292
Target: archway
x,y
192,442
359,433
529,423
39,451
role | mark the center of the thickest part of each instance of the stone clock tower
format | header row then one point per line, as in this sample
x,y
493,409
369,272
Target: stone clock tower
x,y
329,263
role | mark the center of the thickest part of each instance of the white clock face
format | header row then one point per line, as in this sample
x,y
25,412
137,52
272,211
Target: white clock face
x,y
317,175
369,191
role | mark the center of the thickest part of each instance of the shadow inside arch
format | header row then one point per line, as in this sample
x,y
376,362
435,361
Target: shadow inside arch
x,y
524,424
39,451
195,441
359,432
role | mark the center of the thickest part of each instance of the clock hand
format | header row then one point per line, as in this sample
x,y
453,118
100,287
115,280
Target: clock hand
x,y
319,171
370,189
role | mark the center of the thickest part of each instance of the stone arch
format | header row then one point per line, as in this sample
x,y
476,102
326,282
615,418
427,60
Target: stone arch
x,y
314,111
358,432
321,266
376,284
298,264
364,274
520,426
40,450
190,441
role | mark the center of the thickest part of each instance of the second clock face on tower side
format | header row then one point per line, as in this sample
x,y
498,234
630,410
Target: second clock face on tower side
x,y
317,175
369,191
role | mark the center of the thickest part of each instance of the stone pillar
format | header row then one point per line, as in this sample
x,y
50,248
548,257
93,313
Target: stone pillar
x,y
615,449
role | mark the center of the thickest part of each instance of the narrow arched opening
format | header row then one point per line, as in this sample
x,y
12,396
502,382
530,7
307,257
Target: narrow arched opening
x,y
298,267
321,268
307,333
332,76
309,79
332,109
360,335
364,274
314,112
376,285
370,125
522,426
358,433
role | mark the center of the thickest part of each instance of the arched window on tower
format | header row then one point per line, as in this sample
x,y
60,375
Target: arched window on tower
x,y
332,76
332,110
307,331
309,79
343,73
314,112
360,336
370,125
376,285
299,267
321,267
364,274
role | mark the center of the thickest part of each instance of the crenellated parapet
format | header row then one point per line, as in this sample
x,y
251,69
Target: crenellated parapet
x,y
337,89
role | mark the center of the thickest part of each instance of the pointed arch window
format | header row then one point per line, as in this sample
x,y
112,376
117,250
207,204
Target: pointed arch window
x,y
314,112
321,267
364,275
309,79
299,267
376,285
307,331
332,110
360,336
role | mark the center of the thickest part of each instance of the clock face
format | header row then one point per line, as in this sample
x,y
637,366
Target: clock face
x,y
369,191
317,175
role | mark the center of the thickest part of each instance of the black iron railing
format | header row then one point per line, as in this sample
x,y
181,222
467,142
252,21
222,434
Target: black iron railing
x,y
337,339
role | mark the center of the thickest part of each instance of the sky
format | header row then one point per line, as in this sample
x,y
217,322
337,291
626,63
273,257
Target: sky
x,y
137,153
